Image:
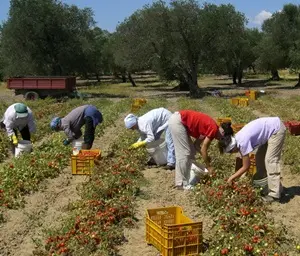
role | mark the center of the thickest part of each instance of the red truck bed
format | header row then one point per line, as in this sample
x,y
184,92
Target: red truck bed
x,y
42,83
41,87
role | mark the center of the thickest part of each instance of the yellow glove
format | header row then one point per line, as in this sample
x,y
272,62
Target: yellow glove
x,y
137,144
14,139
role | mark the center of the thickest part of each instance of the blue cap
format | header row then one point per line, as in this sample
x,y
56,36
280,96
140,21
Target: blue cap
x,y
55,123
130,121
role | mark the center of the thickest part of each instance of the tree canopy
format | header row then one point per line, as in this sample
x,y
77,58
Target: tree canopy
x,y
178,40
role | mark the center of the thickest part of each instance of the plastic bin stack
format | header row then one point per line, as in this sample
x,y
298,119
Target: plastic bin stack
x,y
243,102
251,94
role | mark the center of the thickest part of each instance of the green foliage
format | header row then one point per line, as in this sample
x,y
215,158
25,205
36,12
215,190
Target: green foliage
x,y
280,45
23,175
50,38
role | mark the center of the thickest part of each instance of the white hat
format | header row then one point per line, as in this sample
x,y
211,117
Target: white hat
x,y
232,145
130,121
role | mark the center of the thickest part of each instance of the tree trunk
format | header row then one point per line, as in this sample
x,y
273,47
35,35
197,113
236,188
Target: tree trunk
x,y
234,76
97,77
124,80
192,80
275,75
298,84
131,80
183,86
240,76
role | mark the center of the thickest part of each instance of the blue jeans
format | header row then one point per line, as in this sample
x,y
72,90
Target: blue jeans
x,y
171,149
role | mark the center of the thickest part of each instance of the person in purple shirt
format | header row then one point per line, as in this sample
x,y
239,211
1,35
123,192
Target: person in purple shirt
x,y
267,134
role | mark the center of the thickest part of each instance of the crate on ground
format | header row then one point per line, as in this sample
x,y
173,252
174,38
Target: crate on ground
x,y
84,162
139,102
237,127
234,101
134,108
293,127
251,94
244,102
173,233
221,120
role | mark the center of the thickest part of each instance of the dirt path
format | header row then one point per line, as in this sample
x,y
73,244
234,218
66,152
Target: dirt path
x,y
44,209
158,192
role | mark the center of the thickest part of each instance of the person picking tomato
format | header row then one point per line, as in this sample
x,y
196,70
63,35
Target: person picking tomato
x,y
151,126
18,117
267,134
186,124
86,115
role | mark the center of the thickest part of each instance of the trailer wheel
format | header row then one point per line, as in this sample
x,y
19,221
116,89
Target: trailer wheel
x,y
31,96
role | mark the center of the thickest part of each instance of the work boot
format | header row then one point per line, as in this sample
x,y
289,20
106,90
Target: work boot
x,y
269,199
169,167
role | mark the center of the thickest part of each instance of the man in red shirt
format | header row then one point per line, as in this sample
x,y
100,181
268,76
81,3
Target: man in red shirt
x,y
186,124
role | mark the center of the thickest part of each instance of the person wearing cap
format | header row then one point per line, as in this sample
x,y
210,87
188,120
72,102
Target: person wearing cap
x,y
186,124
267,134
18,117
151,126
86,115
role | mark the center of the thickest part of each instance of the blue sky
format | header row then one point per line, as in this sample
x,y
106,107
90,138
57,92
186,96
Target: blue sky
x,y
109,12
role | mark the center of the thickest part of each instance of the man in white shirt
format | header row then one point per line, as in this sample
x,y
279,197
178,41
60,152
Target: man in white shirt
x,y
18,117
151,126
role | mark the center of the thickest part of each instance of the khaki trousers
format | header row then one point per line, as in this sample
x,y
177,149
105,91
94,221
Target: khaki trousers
x,y
268,160
184,150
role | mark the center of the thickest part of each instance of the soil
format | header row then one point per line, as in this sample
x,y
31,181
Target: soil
x,y
158,192
25,228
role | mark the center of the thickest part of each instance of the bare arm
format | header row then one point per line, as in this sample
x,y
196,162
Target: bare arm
x,y
242,170
204,152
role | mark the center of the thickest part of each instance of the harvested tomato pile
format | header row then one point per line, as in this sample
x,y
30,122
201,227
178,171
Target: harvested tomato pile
x,y
97,221
88,153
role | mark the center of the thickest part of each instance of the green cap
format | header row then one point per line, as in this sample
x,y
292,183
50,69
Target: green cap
x,y
21,110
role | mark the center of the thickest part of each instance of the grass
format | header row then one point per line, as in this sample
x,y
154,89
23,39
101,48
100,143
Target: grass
x,y
122,90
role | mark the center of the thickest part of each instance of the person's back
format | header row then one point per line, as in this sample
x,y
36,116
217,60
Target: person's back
x,y
256,133
157,119
74,120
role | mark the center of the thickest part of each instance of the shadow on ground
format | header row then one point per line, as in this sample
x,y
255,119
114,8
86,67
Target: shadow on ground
x,y
104,95
289,194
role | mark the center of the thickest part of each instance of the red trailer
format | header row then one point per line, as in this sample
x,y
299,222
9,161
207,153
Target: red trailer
x,y
40,87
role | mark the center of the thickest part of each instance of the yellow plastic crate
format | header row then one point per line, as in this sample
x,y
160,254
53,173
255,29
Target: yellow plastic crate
x,y
252,169
173,233
139,102
83,164
234,101
244,102
251,94
237,127
135,108
221,120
